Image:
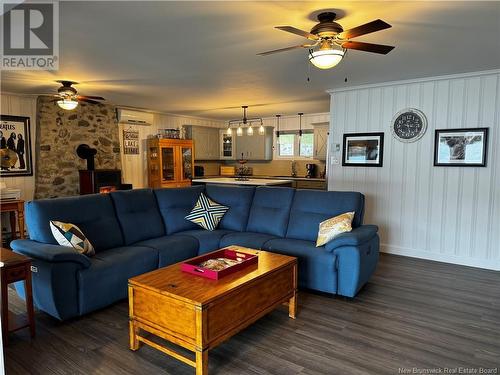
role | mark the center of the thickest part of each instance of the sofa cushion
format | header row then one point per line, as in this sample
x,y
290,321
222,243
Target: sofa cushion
x,y
247,239
172,249
207,240
175,204
238,199
311,207
93,214
69,235
105,281
270,210
207,213
138,215
316,265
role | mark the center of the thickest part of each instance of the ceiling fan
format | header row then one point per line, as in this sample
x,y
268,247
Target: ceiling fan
x,y
68,98
329,40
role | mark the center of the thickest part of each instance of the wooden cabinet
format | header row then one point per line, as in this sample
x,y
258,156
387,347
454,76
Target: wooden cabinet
x,y
310,184
256,146
321,131
206,141
170,162
227,145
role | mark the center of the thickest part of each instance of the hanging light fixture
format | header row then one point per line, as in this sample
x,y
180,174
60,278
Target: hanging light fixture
x,y
245,121
67,104
327,56
229,131
262,131
300,123
278,127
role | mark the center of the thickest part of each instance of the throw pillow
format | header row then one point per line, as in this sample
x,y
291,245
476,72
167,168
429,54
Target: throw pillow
x,y
331,228
69,235
207,213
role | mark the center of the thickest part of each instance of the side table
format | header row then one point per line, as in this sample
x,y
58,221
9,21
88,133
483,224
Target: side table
x,y
15,267
14,207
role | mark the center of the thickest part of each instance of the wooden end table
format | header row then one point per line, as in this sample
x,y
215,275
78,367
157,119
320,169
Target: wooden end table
x,y
15,267
14,207
198,313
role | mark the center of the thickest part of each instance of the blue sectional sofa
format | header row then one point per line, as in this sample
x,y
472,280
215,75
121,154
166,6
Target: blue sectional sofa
x,y
137,231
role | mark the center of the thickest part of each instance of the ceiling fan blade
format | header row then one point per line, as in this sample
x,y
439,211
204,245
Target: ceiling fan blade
x,y
367,28
90,97
284,49
88,101
294,30
368,47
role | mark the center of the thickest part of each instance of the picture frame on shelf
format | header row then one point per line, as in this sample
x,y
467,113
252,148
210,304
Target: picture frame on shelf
x,y
363,150
463,147
15,147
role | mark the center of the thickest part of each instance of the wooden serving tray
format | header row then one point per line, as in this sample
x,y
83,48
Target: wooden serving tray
x,y
192,265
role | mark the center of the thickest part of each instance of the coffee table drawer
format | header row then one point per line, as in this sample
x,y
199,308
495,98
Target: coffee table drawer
x,y
171,315
235,309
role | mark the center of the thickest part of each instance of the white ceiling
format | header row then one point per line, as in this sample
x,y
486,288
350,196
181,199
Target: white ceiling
x,y
199,58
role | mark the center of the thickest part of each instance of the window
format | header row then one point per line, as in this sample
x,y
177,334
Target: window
x,y
290,145
306,145
286,145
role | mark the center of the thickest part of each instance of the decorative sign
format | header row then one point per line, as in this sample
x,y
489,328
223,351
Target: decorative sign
x,y
15,148
131,142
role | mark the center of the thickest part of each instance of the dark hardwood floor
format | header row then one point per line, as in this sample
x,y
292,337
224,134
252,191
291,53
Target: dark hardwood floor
x,y
413,313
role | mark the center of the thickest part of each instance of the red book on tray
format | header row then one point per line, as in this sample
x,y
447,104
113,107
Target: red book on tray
x,y
219,263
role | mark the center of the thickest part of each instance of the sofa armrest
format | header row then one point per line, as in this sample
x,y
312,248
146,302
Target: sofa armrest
x,y
49,252
355,237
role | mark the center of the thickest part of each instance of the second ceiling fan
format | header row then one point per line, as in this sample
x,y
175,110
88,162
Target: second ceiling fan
x,y
329,40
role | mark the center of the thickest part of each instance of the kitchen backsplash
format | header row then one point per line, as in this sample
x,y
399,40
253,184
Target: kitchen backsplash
x,y
268,168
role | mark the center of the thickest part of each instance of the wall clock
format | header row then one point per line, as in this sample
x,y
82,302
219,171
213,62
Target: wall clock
x,y
409,125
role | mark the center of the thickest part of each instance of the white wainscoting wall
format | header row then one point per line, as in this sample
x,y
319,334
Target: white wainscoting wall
x,y
449,214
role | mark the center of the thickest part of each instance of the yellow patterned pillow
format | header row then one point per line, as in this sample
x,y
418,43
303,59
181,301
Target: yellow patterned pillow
x,y
331,228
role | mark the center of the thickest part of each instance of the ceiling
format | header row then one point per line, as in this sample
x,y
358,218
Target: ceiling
x,y
199,58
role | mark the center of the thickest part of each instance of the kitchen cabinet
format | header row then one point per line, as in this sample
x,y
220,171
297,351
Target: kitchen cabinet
x,y
256,146
310,184
227,145
206,141
321,131
170,162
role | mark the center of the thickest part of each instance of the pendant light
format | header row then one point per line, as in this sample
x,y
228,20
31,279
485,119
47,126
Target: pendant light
x,y
262,131
300,123
278,127
239,131
229,131
250,130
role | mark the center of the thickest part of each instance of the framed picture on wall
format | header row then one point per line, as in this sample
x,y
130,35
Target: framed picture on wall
x,y
363,150
461,147
15,147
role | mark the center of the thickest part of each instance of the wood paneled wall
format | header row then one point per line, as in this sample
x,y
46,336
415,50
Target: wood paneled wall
x,y
440,213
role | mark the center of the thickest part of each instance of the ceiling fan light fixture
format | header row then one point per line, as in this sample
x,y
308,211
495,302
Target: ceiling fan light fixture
x,y
326,58
67,104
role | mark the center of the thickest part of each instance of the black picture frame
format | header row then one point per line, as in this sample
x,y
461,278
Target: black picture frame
x,y
455,141
352,140
13,127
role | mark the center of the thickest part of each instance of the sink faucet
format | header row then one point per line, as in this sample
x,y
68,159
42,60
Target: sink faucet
x,y
294,168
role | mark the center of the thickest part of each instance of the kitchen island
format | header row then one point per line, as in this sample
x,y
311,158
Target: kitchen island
x,y
248,182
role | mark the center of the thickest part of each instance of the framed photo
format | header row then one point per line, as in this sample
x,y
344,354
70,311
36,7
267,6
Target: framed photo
x,y
363,150
15,146
461,147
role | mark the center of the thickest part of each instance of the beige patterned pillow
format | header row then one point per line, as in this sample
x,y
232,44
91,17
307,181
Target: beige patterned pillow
x,y
331,228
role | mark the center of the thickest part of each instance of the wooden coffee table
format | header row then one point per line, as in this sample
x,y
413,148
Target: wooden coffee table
x,y
198,313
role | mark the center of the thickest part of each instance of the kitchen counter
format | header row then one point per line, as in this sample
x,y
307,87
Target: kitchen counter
x,y
250,182
271,177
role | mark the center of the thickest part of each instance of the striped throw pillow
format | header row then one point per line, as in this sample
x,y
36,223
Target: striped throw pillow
x,y
207,213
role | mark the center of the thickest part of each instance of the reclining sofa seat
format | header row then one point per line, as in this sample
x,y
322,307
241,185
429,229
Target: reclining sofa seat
x,y
137,231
